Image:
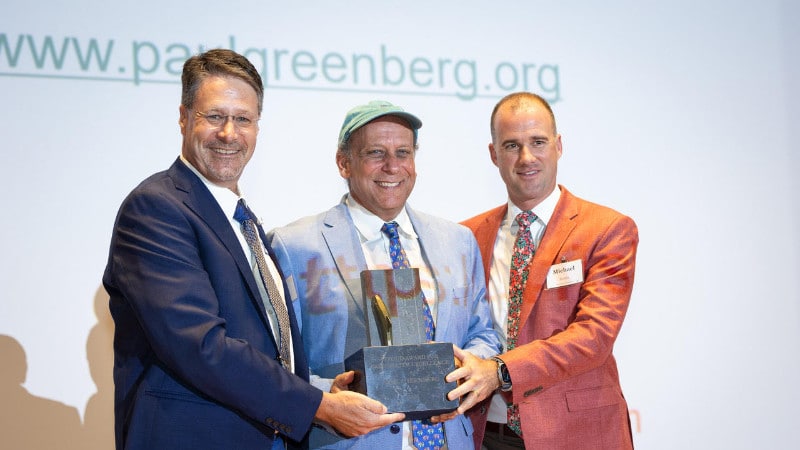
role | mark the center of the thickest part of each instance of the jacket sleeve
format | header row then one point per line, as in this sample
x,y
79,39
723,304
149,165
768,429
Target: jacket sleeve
x,y
482,339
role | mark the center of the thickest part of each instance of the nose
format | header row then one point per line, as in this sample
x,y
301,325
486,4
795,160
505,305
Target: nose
x,y
391,163
526,154
227,132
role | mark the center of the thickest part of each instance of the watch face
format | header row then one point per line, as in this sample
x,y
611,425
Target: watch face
x,y
502,375
504,372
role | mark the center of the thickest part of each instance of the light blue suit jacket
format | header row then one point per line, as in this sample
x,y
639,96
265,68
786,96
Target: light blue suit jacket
x,y
321,259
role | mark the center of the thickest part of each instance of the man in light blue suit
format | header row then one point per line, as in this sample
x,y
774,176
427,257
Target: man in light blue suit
x,y
322,257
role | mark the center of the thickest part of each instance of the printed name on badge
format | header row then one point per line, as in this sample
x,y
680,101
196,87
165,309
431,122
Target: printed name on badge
x,y
564,274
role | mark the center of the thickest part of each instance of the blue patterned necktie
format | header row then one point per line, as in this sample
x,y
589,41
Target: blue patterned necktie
x,y
425,434
245,216
520,260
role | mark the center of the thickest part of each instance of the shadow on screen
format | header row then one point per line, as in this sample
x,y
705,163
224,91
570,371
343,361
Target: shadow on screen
x,y
36,423
98,419
28,421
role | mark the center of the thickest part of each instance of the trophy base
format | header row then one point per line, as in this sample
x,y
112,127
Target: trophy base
x,y
406,378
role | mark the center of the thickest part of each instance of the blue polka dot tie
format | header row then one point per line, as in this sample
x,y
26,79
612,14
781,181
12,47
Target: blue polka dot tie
x,y
425,434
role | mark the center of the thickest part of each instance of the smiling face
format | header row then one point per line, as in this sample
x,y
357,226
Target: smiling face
x,y
379,166
220,152
525,148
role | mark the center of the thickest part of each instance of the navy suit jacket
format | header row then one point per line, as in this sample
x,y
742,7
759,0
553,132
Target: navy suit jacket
x,y
322,260
195,363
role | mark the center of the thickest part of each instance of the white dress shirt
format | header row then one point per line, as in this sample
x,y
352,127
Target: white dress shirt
x,y
500,272
375,245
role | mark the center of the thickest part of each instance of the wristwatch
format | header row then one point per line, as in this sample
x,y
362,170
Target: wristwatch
x,y
502,374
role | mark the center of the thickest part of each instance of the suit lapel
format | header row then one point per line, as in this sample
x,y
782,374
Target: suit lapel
x,y
486,235
558,229
436,255
345,249
200,200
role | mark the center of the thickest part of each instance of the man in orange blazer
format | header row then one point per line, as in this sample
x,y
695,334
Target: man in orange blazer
x,y
559,292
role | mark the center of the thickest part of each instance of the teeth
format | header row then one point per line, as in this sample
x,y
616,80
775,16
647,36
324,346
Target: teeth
x,y
387,184
224,151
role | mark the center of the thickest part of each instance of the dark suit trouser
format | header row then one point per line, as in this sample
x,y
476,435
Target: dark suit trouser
x,y
499,437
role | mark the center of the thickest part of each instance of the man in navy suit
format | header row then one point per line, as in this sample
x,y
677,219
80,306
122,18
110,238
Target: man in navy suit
x,y
323,256
196,342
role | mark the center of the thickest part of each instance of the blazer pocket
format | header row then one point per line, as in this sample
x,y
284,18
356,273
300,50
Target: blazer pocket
x,y
180,396
593,398
568,293
460,295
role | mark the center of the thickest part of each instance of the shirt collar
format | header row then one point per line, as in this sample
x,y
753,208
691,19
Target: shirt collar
x,y
226,198
369,225
544,210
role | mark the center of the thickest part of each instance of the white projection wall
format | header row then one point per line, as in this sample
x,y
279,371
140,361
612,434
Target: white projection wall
x,y
681,114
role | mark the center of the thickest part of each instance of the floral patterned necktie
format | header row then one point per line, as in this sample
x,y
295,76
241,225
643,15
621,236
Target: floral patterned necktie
x,y
425,434
520,260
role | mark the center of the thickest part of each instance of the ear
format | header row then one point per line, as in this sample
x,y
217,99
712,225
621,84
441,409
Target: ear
x,y
558,146
492,154
182,118
343,163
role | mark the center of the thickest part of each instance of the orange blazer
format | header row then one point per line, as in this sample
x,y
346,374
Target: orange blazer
x,y
564,375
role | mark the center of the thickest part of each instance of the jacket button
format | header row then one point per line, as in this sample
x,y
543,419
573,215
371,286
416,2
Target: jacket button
x,y
394,428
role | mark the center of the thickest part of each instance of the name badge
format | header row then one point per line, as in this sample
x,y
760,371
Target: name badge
x,y
564,274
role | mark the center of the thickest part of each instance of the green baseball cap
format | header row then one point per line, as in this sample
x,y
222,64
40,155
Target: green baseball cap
x,y
364,114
